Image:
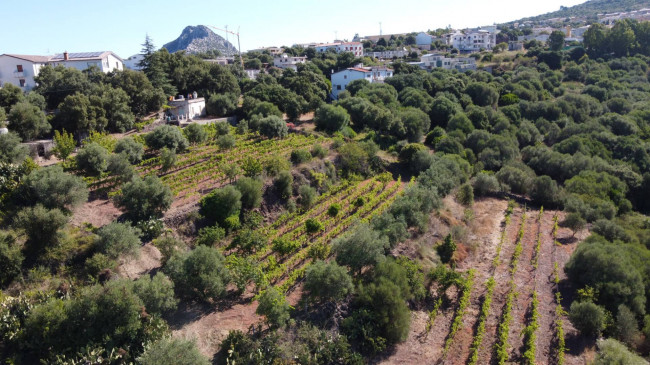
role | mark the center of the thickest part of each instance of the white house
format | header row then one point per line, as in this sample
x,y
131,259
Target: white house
x,y
106,61
341,79
435,60
472,41
389,54
286,61
252,73
340,47
185,108
133,62
20,70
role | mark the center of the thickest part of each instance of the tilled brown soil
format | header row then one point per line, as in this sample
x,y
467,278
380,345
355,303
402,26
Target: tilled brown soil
x,y
423,348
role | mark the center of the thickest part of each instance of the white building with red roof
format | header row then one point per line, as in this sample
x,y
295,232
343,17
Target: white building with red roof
x,y
20,70
341,79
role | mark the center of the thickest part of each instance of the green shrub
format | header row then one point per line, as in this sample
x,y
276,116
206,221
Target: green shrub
x,y
249,240
210,236
307,196
116,239
284,184
274,306
195,133
131,148
172,351
312,225
92,159
226,142
273,127
221,204
328,281
251,192
334,209
11,259
167,136
168,246
157,293
284,246
300,156
588,318
200,273
145,198
318,151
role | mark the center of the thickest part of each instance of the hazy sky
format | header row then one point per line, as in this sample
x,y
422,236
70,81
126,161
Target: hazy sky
x,y
46,27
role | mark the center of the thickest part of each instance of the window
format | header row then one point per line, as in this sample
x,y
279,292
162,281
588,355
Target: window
x,y
345,76
338,87
19,68
22,82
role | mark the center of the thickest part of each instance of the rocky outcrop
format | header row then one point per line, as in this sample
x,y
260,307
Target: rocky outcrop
x,y
200,39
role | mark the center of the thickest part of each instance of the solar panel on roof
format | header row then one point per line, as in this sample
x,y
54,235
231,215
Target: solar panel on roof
x,y
78,55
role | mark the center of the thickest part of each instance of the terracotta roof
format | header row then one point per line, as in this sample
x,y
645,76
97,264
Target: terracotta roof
x,y
35,59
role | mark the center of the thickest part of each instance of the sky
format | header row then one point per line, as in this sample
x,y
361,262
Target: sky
x,y
45,27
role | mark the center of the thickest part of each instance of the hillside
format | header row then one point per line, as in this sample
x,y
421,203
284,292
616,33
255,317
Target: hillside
x,y
200,39
591,9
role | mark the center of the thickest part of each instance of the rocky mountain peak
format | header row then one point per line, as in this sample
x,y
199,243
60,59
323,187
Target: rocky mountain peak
x,y
199,39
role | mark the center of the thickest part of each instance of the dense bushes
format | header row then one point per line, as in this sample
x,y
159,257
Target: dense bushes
x,y
200,273
145,198
167,136
116,239
53,188
221,204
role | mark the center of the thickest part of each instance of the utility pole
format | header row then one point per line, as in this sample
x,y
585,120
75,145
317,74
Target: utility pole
x,y
241,60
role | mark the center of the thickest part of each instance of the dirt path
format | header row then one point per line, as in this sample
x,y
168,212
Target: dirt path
x,y
501,277
423,348
211,328
98,212
545,294
147,260
524,279
489,214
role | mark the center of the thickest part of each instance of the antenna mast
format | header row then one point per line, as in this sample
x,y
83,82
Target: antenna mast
x,y
241,60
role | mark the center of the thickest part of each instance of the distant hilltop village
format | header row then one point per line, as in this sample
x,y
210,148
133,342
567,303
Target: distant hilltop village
x,y
431,49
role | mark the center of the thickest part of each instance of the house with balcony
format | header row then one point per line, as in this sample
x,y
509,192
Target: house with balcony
x,y
20,70
341,79
340,47
286,61
436,60
472,41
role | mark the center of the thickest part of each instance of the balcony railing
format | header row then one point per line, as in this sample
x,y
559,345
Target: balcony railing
x,y
19,74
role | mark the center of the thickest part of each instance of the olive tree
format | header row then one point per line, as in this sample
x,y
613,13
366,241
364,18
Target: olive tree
x,y
200,273
116,239
167,136
145,198
28,121
131,148
54,188
331,118
328,281
273,127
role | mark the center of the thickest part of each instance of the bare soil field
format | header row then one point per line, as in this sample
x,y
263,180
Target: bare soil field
x,y
534,273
